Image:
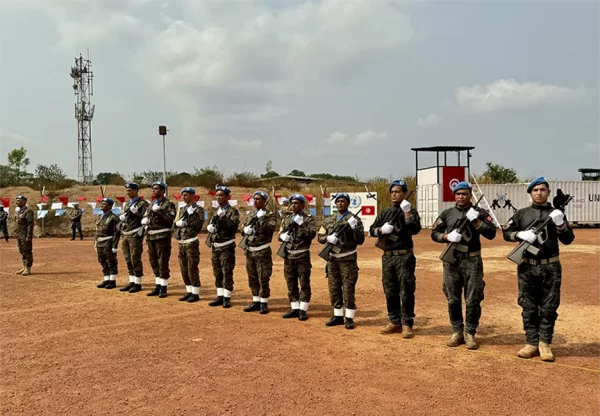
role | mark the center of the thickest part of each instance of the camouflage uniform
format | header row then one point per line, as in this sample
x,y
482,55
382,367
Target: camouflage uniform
x,y
189,246
259,260
398,264
132,238
107,238
24,234
159,239
3,225
342,267
223,249
75,215
284,213
539,276
467,273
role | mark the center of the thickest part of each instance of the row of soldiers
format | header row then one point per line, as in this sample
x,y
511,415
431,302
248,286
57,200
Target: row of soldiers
x,y
539,275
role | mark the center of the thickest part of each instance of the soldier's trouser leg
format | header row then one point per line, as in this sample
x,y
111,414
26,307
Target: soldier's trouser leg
x,y
163,249
26,250
223,262
103,259
126,247
183,266
73,228
113,263
472,269
290,272
452,286
79,229
259,278
399,284
136,248
349,272
153,257
189,259
252,271
334,283
304,270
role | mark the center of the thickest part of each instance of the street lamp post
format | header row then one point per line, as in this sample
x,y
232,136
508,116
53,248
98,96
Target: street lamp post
x,y
162,130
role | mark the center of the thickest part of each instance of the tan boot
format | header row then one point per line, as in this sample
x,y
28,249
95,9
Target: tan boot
x,y
407,332
456,339
470,341
546,352
391,329
528,351
20,271
26,271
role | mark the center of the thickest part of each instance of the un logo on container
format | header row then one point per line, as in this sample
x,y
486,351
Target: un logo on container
x,y
355,201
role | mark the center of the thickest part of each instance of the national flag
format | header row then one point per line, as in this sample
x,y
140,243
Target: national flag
x,y
368,210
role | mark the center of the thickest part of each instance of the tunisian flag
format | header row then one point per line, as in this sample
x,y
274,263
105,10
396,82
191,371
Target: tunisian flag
x,y
451,176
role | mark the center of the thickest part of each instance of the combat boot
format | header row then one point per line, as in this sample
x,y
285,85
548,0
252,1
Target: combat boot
x,y
193,298
264,308
545,352
302,315
456,339
335,321
391,329
136,288
20,270
349,323
127,288
162,292
471,342
292,313
253,307
155,291
26,271
218,301
111,284
407,332
103,284
185,297
528,351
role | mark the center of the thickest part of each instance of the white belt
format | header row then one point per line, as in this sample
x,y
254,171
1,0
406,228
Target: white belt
x,y
189,240
162,230
259,248
294,252
223,244
105,238
341,255
132,231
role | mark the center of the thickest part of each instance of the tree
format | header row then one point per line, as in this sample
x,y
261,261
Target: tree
x,y
7,176
297,172
109,178
499,174
18,160
209,177
52,173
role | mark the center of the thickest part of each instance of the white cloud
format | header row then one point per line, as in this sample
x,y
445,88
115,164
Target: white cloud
x,y
245,143
336,137
431,120
366,138
16,138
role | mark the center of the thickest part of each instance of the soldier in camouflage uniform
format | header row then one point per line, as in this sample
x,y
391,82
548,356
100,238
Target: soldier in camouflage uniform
x,y
540,275
158,222
298,231
466,275
75,216
106,243
222,229
24,234
398,224
132,236
187,227
3,222
345,231
259,229
285,210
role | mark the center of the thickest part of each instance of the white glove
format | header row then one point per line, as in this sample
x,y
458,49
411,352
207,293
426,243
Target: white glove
x,y
190,210
405,206
211,228
285,237
220,212
115,250
134,209
155,207
332,239
454,237
145,221
299,219
248,230
472,214
122,217
558,217
180,223
387,228
352,222
261,213
528,236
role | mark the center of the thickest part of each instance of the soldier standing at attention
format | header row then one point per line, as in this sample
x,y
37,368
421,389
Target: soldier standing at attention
x,y
285,211
397,224
132,237
298,231
159,221
539,276
24,233
466,274
107,233
342,267
187,227
75,215
222,229
3,222
259,260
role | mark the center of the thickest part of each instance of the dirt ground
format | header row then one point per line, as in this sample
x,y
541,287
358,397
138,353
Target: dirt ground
x,y
70,348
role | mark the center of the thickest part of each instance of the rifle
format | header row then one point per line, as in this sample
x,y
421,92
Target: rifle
x,y
282,247
244,243
183,218
381,242
325,252
209,238
449,253
516,255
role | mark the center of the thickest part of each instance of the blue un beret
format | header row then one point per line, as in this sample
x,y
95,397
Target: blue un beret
x,y
189,190
223,188
23,197
263,194
401,183
298,197
535,182
132,185
160,184
462,185
342,195
108,201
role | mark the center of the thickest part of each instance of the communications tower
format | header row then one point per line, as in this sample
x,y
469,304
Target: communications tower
x,y
84,113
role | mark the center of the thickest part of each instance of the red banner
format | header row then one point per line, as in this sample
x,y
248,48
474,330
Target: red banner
x,y
121,199
64,200
5,202
451,176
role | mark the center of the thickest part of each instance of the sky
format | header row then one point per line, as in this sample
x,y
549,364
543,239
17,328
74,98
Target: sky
x,y
343,87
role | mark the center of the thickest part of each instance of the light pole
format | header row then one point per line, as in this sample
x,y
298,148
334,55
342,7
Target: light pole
x,y
162,130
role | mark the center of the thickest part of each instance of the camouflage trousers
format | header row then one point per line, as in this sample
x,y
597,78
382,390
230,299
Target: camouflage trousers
x,y
223,262
259,265
189,259
399,284
132,251
298,270
108,260
159,254
539,296
464,277
341,279
26,250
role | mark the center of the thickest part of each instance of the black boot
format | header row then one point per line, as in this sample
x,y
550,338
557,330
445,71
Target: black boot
x,y
155,291
253,307
292,313
103,284
226,302
218,301
193,298
185,297
127,288
302,315
136,288
349,323
163,292
73,239
111,284
335,321
264,308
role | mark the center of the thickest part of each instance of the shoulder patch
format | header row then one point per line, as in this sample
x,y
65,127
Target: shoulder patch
x,y
437,223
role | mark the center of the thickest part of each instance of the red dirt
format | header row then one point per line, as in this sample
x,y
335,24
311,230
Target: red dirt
x,y
69,348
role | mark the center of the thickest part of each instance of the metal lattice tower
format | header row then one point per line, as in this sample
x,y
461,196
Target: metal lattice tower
x,y
84,113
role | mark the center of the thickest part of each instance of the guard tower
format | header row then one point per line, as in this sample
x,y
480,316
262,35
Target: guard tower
x,y
590,174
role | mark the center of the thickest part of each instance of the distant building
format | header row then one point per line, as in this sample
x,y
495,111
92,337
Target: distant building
x,y
590,174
